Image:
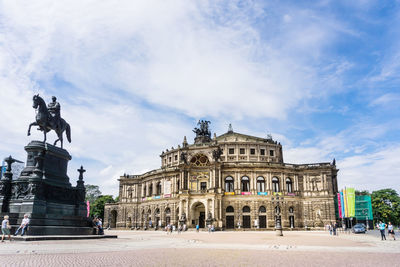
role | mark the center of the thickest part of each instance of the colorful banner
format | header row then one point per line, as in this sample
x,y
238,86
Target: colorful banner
x,y
143,199
156,197
351,202
346,213
339,205
290,194
246,193
342,202
149,198
262,193
167,195
88,208
229,193
277,193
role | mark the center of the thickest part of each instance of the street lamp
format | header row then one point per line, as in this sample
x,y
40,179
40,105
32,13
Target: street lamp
x,y
278,222
365,212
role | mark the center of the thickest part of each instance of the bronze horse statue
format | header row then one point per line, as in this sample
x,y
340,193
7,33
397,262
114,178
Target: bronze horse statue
x,y
47,122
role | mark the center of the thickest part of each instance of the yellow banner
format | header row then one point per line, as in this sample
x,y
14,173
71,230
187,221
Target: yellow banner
x,y
351,202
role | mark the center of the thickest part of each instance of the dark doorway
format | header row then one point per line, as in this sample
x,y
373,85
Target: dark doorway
x,y
167,220
201,219
230,222
113,223
246,221
262,221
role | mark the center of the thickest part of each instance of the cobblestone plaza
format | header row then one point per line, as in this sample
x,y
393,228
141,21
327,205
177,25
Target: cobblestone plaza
x,y
249,248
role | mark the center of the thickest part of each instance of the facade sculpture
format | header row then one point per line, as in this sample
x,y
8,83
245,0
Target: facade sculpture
x,y
232,180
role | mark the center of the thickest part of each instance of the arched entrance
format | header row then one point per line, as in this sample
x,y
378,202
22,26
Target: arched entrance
x,y
167,216
198,214
113,223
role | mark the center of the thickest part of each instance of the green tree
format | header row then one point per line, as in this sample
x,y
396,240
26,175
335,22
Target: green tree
x,y
92,192
97,208
386,206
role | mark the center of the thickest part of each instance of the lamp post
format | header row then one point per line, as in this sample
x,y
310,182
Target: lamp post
x,y
278,222
365,212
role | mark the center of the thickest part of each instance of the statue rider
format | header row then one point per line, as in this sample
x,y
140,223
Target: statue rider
x,y
54,110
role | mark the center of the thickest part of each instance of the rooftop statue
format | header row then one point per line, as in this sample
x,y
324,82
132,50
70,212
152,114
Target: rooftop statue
x,y
48,118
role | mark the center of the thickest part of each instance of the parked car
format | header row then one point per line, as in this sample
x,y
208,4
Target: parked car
x,y
359,228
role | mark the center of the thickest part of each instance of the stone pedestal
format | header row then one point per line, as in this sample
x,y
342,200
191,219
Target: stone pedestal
x,y
44,192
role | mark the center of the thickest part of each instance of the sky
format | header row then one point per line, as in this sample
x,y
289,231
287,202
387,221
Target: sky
x,y
134,77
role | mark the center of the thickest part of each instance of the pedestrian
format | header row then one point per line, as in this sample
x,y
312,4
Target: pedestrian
x,y
330,228
5,228
197,227
184,227
382,227
212,228
23,226
209,228
334,228
173,228
391,230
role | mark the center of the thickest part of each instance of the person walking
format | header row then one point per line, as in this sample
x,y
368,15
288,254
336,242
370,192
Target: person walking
x,y
382,227
330,228
197,227
391,230
5,228
23,226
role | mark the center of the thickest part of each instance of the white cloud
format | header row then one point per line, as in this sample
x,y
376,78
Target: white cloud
x,y
129,74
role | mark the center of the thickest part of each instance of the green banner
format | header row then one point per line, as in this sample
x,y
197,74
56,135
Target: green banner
x,y
363,208
351,202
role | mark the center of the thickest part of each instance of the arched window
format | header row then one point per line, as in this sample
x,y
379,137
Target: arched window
x,y
289,188
177,185
157,212
245,184
159,188
262,209
291,210
167,211
246,209
260,184
230,209
199,160
277,210
228,184
150,190
275,184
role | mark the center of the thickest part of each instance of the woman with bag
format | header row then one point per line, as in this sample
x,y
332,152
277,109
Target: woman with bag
x,y
5,228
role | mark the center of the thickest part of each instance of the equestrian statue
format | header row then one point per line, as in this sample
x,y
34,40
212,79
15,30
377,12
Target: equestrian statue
x,y
48,118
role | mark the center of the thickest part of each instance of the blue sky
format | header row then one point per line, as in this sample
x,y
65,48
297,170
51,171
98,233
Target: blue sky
x,y
134,77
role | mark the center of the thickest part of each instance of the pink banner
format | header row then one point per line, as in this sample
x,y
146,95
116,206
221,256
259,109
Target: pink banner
x,y
246,193
339,205
88,208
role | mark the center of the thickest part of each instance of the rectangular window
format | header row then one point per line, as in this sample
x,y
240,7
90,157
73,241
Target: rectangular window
x,y
271,153
242,151
252,151
169,159
176,157
262,152
203,185
231,151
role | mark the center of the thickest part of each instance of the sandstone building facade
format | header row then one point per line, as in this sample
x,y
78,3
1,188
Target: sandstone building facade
x,y
232,181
